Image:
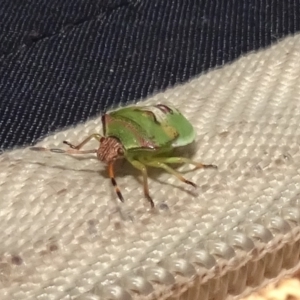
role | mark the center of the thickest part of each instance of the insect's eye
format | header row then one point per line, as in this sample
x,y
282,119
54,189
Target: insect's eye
x,y
102,139
120,151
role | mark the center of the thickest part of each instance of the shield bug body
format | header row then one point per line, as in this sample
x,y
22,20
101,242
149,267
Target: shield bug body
x,y
145,136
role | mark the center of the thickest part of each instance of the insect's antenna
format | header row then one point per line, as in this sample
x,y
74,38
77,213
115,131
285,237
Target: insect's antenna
x,y
96,136
69,151
113,181
69,144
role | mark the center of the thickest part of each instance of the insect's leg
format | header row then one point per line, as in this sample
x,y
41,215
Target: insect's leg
x,y
181,160
143,169
113,181
158,164
93,136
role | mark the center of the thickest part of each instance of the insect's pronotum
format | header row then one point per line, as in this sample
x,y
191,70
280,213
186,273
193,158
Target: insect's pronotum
x,y
145,136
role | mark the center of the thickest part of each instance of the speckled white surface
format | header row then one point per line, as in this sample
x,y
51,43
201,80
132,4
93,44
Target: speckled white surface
x,y
65,235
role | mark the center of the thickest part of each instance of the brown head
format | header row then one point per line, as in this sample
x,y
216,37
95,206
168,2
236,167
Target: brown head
x,y
110,149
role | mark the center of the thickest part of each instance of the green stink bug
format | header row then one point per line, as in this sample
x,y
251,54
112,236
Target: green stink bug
x,y
144,136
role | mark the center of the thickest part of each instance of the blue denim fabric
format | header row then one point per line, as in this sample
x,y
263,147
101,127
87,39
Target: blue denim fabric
x,y
62,62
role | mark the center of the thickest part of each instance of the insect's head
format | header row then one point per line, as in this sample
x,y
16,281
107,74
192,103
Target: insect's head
x,y
110,149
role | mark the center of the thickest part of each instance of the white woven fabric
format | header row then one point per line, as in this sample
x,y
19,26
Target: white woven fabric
x,y
65,235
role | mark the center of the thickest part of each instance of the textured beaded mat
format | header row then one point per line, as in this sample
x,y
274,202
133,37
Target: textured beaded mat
x,y
64,234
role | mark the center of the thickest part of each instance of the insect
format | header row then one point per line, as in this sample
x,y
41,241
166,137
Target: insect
x,y
143,135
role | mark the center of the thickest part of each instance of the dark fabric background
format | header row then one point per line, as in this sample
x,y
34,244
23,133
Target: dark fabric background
x,y
62,62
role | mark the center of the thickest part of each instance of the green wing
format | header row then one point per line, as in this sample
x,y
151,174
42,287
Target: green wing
x,y
151,127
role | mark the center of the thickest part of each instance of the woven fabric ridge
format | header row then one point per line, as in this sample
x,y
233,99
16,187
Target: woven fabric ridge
x,y
64,234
